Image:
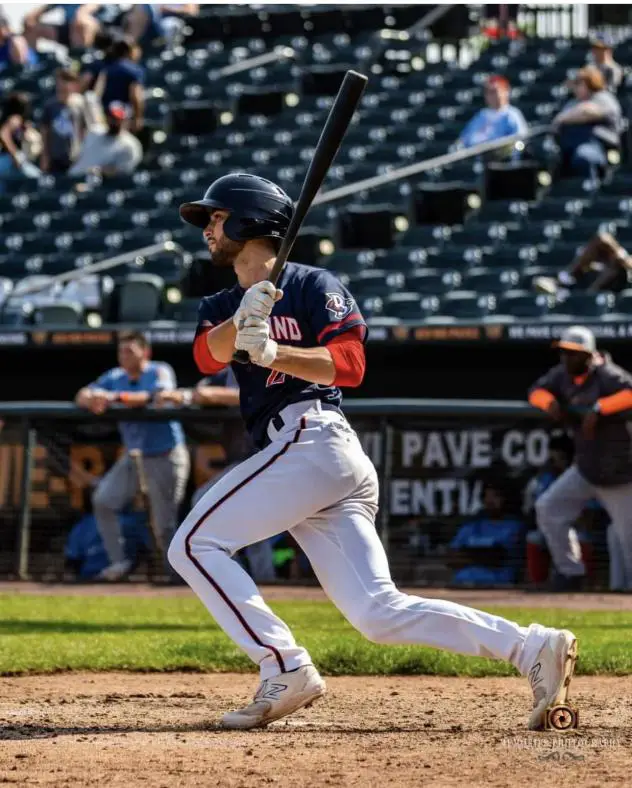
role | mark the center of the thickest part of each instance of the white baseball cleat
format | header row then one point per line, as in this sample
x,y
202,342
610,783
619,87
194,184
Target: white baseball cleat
x,y
551,674
115,572
277,697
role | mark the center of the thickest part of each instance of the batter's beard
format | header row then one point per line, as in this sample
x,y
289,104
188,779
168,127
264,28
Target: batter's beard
x,y
225,252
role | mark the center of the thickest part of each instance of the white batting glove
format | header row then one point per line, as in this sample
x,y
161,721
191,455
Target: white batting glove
x,y
254,338
258,301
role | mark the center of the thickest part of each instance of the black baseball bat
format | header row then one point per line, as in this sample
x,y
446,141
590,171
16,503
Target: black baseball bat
x,y
334,130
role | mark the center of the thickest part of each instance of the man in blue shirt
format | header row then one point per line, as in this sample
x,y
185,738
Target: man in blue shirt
x,y
498,119
486,550
135,384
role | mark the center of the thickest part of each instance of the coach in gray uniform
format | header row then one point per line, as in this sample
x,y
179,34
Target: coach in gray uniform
x,y
603,450
165,457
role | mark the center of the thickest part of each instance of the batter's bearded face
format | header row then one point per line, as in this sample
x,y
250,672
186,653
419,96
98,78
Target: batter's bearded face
x,y
223,250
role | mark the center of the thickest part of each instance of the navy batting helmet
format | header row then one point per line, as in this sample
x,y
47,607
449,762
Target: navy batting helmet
x,y
258,208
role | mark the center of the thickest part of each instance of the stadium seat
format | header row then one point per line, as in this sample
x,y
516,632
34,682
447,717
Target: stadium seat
x,y
139,298
410,306
488,280
6,286
431,281
375,282
60,313
467,305
522,304
585,305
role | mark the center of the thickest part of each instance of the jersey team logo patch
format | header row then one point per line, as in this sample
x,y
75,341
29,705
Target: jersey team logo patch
x,y
338,305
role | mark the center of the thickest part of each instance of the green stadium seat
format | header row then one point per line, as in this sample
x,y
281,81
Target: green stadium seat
x,y
60,313
431,281
522,304
410,306
374,282
585,305
139,298
490,280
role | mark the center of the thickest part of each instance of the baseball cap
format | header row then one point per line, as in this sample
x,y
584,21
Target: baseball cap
x,y
118,110
577,338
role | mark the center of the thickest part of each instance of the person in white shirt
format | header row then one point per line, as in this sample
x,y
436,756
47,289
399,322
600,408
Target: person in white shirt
x,y
112,150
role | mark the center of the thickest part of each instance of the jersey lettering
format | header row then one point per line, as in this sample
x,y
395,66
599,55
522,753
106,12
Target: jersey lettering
x,y
283,327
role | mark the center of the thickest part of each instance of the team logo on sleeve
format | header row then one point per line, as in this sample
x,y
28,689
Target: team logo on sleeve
x,y
338,305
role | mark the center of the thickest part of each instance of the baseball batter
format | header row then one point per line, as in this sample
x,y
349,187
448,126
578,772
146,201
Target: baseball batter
x,y
310,475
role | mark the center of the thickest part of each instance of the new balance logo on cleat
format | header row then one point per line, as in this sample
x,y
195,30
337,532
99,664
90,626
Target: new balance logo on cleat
x,y
270,691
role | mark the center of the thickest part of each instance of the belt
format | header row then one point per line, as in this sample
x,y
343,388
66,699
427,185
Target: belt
x,y
278,422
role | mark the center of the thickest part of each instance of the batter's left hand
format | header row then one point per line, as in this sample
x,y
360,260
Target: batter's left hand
x,y
254,338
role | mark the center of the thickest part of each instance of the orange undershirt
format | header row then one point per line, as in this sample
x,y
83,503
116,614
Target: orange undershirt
x,y
347,354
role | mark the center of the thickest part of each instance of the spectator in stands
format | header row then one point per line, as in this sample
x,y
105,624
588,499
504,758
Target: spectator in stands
x,y
121,79
62,125
147,23
588,126
487,550
101,53
603,264
15,113
601,53
14,49
498,119
78,29
112,150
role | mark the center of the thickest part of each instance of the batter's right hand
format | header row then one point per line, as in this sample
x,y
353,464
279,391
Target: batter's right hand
x,y
258,301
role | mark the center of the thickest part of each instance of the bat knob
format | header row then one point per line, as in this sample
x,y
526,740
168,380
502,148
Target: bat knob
x,y
241,357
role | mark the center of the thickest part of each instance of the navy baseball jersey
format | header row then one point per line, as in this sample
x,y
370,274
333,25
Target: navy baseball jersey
x,y
315,308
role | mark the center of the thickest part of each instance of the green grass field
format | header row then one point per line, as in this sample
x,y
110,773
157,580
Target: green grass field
x,y
40,634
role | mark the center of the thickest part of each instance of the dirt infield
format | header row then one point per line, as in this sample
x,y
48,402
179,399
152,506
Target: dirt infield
x,y
159,730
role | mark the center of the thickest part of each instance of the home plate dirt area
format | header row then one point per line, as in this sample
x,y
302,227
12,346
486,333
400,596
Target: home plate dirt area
x,y
160,729
119,729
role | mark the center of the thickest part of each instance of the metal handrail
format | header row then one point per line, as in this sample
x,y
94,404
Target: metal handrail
x,y
427,164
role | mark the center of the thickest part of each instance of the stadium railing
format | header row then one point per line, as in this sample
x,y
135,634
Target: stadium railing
x,y
430,455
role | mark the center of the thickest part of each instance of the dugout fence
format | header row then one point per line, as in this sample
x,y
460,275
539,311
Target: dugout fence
x,y
433,460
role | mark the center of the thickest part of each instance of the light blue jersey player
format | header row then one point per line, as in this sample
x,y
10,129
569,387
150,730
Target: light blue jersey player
x,y
165,457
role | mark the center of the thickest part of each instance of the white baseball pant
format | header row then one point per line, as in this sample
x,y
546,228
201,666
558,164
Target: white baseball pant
x,y
315,480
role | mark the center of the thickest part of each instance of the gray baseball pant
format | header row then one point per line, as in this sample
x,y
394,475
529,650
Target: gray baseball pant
x,y
260,554
558,508
167,476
